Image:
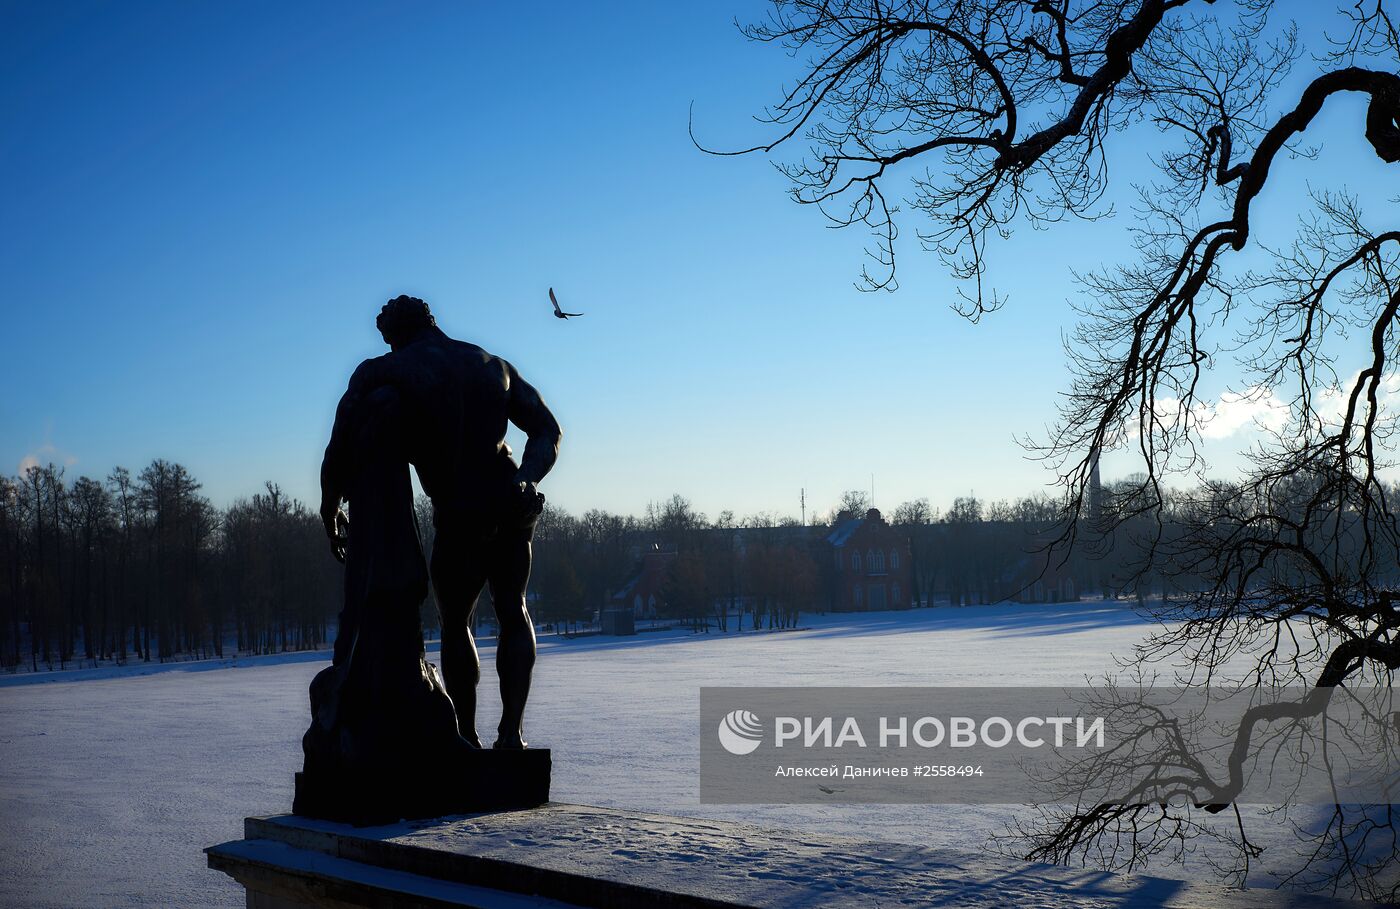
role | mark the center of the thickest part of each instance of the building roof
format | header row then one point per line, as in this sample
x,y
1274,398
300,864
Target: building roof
x,y
842,532
626,591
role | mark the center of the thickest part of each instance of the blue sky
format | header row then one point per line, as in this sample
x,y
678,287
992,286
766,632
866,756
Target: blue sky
x,y
206,204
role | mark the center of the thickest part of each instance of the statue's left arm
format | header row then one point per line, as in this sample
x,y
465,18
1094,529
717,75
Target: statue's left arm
x,y
336,465
529,412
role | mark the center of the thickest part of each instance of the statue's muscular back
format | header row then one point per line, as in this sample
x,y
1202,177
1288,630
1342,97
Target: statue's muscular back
x,y
457,400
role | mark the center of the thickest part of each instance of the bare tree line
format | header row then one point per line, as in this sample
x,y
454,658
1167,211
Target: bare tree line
x,y
143,567
764,570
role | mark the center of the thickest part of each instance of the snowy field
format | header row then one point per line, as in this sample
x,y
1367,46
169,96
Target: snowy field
x,y
111,784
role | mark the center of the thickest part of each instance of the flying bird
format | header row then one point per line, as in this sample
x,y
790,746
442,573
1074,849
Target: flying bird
x,y
559,313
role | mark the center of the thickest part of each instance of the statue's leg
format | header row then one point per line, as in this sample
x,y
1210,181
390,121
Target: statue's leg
x,y
458,576
515,650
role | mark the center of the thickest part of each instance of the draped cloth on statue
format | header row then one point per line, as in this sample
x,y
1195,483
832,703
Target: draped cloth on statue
x,y
384,565
380,715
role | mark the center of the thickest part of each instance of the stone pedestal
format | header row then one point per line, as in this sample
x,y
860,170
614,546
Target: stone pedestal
x,y
558,856
480,781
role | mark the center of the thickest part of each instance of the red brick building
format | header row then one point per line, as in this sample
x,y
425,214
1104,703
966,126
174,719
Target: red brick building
x,y
872,564
644,593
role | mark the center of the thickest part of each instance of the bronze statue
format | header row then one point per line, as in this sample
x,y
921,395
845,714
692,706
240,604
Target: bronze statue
x,y
456,400
388,738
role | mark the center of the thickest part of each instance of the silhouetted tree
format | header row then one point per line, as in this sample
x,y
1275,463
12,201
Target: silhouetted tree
x,y
854,502
607,539
1011,112
687,592
781,578
10,574
560,556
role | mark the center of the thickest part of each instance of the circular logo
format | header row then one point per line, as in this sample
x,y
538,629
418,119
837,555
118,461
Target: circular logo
x,y
740,732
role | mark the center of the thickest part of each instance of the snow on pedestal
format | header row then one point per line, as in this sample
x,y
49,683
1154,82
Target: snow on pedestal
x,y
576,855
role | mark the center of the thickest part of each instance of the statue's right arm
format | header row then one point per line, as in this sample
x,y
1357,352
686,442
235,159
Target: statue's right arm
x,y
529,412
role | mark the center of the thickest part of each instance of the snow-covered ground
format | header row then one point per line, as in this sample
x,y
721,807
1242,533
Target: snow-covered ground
x,y
111,784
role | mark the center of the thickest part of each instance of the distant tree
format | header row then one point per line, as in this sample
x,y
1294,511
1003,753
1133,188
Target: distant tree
x,y
145,563
559,556
561,592
91,521
687,593
925,540
123,492
722,566
674,520
41,497
964,552
855,502
1037,510
174,530
965,510
10,574
914,518
1000,511
606,541
761,520
781,579
912,513
281,583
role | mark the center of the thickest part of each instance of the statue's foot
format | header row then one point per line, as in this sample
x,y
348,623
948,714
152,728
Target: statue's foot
x,y
515,743
472,738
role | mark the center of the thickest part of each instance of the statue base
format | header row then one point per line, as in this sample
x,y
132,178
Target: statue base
x,y
480,781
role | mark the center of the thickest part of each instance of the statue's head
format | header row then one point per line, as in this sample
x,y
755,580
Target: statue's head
x,y
402,319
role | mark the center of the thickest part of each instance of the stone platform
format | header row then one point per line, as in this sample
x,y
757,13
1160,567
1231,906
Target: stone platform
x,y
558,856
487,779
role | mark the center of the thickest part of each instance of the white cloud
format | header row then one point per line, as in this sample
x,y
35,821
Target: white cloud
x,y
1331,402
45,454
1255,408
